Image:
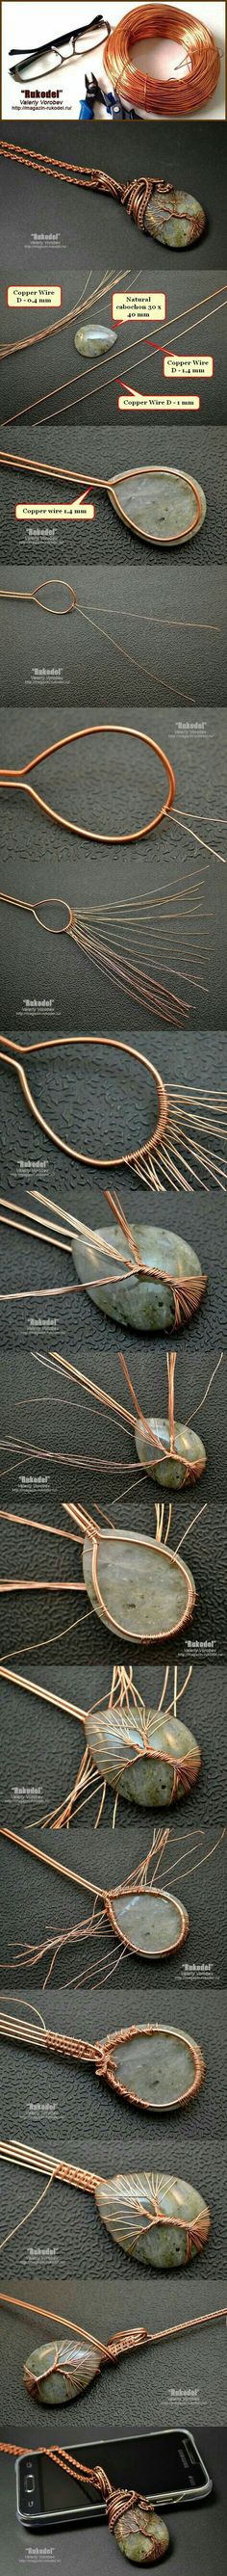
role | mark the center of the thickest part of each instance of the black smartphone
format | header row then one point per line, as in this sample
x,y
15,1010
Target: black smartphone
x,y
165,2465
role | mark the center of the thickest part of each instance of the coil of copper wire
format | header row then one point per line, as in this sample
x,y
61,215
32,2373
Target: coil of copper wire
x,y
197,72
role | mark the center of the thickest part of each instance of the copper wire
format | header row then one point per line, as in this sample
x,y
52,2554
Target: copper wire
x,y
19,778
154,349
175,96
60,474
97,933
186,1140
108,284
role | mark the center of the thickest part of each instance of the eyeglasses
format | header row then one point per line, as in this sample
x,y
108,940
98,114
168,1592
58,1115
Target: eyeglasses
x,y
63,49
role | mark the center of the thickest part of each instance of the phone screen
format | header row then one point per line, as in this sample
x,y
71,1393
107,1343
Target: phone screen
x,y
160,2464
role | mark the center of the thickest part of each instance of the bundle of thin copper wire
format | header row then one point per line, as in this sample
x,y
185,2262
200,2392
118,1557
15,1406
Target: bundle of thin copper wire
x,y
192,84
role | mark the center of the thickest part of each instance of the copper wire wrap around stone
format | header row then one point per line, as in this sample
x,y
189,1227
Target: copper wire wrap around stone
x,y
175,96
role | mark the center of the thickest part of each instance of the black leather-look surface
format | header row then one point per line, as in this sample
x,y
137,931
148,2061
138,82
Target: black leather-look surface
x,y
43,1900
64,2235
82,2103
184,654
198,451
92,397
49,977
41,1751
201,2531
72,1322
147,2387
183,152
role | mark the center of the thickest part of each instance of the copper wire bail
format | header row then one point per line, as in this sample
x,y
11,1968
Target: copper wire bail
x,y
179,95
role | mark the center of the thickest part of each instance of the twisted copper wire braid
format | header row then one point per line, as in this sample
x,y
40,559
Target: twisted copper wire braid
x,y
134,194
178,96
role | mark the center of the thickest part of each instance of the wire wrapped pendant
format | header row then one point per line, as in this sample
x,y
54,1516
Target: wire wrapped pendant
x,y
147,1756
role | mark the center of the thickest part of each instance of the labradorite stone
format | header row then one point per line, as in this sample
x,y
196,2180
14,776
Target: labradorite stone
x,y
93,340
161,507
149,1922
146,1304
178,1470
144,1589
151,1777
141,2536
156,2067
142,2212
60,2371
178,220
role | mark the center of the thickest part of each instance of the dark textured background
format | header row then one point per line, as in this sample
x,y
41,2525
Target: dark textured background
x,y
57,364
42,1616
53,660
47,1902
64,2234
147,2387
188,2529
41,1751
122,783
73,1321
191,448
100,1104
83,2107
76,1425
183,154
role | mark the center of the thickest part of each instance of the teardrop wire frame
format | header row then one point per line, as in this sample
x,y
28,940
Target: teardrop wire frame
x,y
183,1767
183,1117
97,482
89,1530
101,2054
173,96
19,778
136,1884
52,582
186,1292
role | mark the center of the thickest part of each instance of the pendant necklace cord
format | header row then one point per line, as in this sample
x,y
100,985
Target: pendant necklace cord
x,y
211,2316
134,195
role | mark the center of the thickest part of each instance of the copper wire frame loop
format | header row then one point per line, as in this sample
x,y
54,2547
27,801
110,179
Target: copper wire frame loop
x,y
113,840
162,1893
119,1045
149,2030
178,96
133,1539
59,584
58,474
33,597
